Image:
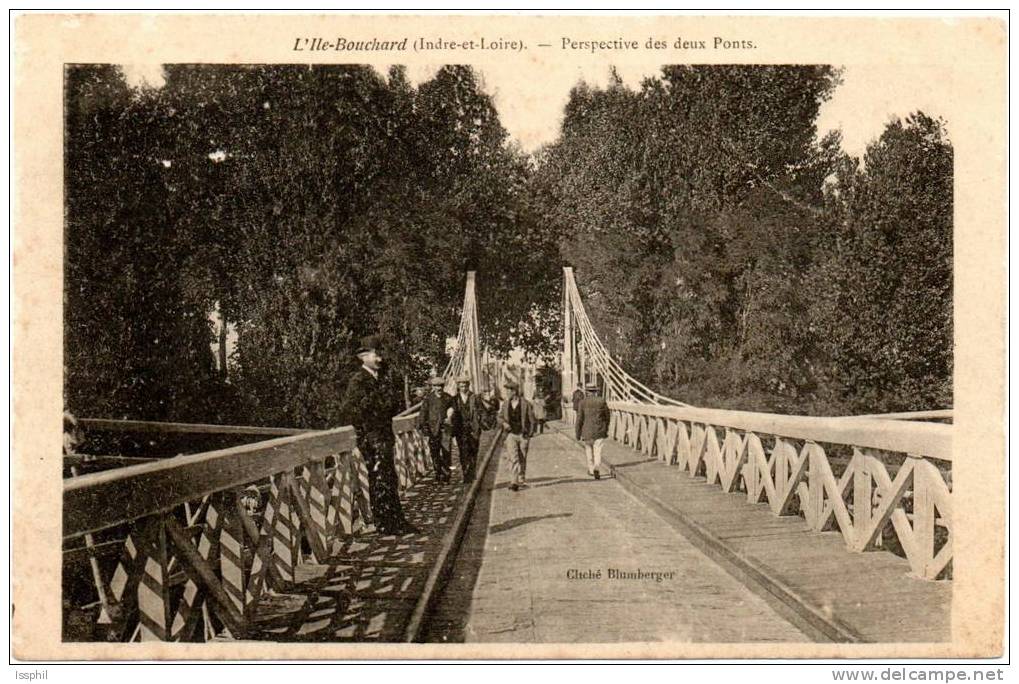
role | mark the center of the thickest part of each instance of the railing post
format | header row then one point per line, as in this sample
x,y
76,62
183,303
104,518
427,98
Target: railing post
x,y
863,497
815,482
568,381
923,515
154,619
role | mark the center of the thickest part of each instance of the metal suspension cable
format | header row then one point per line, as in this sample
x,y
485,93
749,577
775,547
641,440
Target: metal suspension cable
x,y
600,355
466,343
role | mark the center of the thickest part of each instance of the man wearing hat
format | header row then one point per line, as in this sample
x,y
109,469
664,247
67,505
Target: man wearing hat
x,y
468,416
516,418
578,396
435,412
592,428
370,405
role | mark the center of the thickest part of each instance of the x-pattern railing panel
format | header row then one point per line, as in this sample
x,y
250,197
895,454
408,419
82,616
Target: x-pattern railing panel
x,y
898,480
195,562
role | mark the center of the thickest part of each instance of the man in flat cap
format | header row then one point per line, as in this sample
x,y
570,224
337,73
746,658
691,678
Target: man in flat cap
x,y
516,419
592,428
370,405
436,411
468,419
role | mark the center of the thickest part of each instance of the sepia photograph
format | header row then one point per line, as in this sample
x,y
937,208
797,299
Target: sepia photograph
x,y
302,302
465,354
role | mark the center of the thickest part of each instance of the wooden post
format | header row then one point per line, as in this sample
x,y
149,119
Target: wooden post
x,y
862,493
154,618
568,382
815,481
231,551
923,515
286,545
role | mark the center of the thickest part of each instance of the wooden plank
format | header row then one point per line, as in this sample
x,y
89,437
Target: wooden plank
x,y
200,571
191,611
115,425
100,500
937,414
447,553
856,588
928,439
154,616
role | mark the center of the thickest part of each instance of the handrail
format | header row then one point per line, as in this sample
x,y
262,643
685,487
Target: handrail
x,y
117,425
863,476
936,414
409,411
928,439
97,501
198,513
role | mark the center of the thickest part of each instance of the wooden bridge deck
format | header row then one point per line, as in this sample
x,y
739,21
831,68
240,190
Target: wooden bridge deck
x,y
740,574
809,576
369,588
512,585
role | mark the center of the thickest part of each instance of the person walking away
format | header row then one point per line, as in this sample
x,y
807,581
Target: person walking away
x,y
468,418
435,410
516,418
539,412
592,428
578,396
370,405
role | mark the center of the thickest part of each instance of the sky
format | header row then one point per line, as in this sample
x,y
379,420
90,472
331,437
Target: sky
x,y
531,108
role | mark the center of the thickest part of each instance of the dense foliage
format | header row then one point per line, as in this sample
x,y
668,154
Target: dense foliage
x,y
311,206
731,258
726,254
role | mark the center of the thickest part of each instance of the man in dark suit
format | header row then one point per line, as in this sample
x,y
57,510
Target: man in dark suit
x,y
578,396
468,418
436,411
516,419
490,403
370,405
592,428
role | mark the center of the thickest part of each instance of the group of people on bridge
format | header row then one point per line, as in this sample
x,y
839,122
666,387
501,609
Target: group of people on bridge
x,y
370,407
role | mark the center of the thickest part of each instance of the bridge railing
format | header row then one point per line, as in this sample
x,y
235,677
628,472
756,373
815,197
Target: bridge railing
x,y
202,538
865,477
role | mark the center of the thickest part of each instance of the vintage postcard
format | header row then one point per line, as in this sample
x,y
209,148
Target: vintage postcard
x,y
505,336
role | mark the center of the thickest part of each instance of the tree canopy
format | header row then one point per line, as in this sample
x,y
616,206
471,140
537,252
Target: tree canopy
x,y
727,254
731,257
310,206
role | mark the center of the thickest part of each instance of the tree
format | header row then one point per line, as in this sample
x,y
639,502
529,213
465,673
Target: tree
x,y
883,311
311,205
683,205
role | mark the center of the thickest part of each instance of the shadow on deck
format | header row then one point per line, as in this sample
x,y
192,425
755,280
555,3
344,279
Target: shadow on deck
x,y
370,586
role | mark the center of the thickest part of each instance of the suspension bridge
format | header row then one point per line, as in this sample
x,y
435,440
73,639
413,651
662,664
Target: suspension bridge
x,y
713,526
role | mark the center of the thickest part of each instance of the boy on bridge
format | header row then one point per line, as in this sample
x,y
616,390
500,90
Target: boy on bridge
x,y
516,418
